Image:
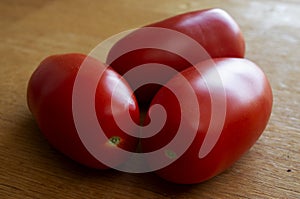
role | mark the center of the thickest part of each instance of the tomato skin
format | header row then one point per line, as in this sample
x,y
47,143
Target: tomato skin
x,y
49,98
248,108
213,29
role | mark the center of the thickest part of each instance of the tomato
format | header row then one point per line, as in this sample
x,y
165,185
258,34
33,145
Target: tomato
x,y
49,97
248,104
213,29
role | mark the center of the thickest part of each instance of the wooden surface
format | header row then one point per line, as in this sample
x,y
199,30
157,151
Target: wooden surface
x,y
32,30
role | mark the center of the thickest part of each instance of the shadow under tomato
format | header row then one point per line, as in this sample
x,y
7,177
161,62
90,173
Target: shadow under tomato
x,y
44,163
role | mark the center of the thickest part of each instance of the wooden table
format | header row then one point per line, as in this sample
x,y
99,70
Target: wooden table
x,y
32,30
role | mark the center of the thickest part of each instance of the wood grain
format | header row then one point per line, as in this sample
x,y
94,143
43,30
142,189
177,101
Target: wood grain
x,y
31,30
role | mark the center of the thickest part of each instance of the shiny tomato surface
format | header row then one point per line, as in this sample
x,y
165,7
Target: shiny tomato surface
x,y
248,105
49,97
213,29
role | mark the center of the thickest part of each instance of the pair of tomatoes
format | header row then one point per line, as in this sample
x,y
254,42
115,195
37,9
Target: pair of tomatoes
x,y
215,107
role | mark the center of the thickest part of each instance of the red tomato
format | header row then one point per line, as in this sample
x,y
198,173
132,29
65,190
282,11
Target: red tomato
x,y
248,107
50,101
213,29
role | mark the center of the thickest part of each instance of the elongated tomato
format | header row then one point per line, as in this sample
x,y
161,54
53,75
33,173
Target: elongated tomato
x,y
244,116
213,29
50,100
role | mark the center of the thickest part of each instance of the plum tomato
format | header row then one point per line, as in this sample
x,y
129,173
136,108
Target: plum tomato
x,y
49,98
248,104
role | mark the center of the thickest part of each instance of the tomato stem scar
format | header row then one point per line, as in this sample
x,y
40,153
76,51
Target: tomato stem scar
x,y
170,154
114,140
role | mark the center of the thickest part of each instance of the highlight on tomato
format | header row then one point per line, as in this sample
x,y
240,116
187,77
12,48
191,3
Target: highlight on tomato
x,y
248,108
49,98
213,29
